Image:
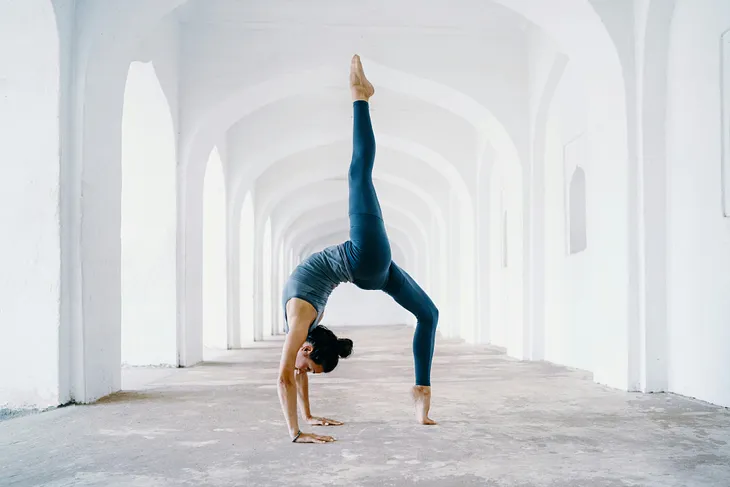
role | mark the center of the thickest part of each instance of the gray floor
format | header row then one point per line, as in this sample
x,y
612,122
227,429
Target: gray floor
x,y
502,423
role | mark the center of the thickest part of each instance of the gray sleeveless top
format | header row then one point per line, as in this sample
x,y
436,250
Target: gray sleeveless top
x,y
315,278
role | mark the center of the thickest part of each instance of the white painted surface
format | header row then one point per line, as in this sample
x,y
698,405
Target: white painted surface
x,y
268,298
29,198
214,253
577,213
457,147
699,235
148,222
247,270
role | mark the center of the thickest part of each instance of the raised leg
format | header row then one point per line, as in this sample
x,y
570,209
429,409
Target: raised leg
x,y
363,198
369,249
406,292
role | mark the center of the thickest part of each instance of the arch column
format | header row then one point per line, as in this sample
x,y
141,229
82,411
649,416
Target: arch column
x,y
534,220
34,368
190,264
649,353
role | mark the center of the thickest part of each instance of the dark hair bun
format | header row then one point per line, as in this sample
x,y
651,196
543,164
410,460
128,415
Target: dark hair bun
x,y
344,347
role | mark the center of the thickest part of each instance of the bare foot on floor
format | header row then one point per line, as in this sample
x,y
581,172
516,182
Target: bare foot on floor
x,y
422,399
360,87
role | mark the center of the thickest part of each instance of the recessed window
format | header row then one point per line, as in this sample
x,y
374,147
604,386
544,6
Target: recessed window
x,y
505,247
577,205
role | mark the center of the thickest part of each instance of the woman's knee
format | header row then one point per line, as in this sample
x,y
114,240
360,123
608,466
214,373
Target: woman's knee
x,y
429,317
360,171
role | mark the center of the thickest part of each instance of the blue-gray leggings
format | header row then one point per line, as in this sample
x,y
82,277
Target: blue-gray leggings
x,y
368,250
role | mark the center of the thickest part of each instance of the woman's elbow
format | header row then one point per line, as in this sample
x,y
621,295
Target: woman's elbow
x,y
285,380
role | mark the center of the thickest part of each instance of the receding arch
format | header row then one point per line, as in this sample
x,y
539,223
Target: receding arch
x,y
334,203
297,179
247,101
281,152
241,103
459,308
305,209
215,333
148,225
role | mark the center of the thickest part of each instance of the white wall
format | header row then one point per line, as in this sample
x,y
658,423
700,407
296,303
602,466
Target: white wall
x,y
214,255
433,125
246,260
569,316
148,229
699,236
267,296
29,205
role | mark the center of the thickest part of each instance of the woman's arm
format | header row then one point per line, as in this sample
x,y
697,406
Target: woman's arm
x,y
286,383
303,393
299,316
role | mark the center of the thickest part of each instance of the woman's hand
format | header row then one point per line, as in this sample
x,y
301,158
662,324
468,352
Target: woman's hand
x,y
312,438
316,421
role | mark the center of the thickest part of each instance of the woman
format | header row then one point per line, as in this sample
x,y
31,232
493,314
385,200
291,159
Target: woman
x,y
365,261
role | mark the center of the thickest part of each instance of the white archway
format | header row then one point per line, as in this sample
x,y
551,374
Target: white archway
x,y
215,332
240,104
148,269
454,240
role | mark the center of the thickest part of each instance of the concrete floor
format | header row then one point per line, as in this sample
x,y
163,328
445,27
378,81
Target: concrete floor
x,y
502,423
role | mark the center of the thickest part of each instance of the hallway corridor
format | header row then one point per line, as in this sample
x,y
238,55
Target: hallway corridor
x,y
502,422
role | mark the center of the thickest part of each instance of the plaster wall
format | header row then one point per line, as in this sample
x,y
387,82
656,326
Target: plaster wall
x,y
591,297
579,287
148,222
493,50
29,205
699,234
215,333
569,331
246,243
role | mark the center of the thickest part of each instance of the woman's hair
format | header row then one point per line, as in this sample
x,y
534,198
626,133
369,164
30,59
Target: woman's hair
x,y
327,349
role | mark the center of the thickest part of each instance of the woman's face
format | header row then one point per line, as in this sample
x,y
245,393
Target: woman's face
x,y
305,364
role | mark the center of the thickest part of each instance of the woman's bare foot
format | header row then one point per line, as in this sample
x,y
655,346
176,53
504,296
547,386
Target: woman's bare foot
x,y
360,87
422,399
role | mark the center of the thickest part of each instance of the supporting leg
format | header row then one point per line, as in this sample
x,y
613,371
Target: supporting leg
x,y
406,292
